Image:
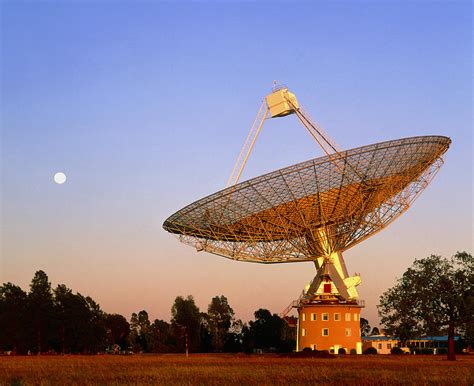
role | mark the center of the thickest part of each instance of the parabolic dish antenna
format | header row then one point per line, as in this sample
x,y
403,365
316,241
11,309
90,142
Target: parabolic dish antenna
x,y
312,211
305,211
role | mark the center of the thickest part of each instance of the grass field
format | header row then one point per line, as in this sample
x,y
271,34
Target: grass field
x,y
235,369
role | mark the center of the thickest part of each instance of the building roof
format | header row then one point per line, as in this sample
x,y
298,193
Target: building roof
x,y
378,337
431,338
443,338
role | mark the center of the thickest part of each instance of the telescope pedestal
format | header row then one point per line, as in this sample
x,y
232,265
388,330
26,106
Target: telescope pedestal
x,y
329,309
325,326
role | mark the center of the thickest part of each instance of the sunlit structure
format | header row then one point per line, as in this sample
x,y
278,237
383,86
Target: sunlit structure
x,y
313,211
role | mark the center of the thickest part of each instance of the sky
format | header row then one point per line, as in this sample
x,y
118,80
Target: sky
x,y
145,106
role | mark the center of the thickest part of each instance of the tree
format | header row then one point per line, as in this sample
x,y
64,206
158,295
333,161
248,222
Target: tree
x,y
41,310
95,334
118,330
233,341
186,322
140,327
71,314
465,269
375,331
364,327
268,332
219,317
144,330
13,302
205,336
163,340
134,331
433,296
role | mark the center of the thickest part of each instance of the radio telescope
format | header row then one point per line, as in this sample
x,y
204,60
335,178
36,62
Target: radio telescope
x,y
313,211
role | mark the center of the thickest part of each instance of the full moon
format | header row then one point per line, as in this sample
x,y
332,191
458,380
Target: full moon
x,y
60,178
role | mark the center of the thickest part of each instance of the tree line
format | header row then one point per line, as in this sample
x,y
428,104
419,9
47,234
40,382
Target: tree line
x,y
47,320
435,296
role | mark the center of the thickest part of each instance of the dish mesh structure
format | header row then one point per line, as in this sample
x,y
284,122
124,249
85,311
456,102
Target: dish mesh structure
x,y
314,208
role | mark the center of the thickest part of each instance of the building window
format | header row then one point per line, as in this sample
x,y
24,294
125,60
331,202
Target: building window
x,y
303,332
380,346
348,317
327,288
337,316
303,316
325,317
348,332
356,317
389,346
313,347
325,331
313,317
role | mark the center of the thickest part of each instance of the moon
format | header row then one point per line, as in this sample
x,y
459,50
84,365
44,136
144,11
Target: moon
x,y
60,178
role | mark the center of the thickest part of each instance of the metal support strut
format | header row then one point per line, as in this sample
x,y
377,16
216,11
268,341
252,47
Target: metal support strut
x,y
248,145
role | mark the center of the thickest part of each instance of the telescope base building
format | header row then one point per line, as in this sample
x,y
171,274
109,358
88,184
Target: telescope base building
x,y
331,327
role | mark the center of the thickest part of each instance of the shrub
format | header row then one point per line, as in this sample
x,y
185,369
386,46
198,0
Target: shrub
x,y
342,351
307,349
396,351
353,351
423,351
371,351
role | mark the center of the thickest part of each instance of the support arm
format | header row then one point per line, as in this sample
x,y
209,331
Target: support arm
x,y
248,145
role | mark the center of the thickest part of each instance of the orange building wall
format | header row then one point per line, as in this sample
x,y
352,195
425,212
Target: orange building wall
x,y
313,337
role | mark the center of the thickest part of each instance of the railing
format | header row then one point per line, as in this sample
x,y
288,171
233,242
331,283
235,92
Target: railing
x,y
293,304
278,86
300,300
285,312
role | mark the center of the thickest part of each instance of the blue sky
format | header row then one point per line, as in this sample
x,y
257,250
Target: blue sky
x,y
145,105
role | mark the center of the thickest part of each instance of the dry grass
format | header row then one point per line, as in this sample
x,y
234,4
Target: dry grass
x,y
235,369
